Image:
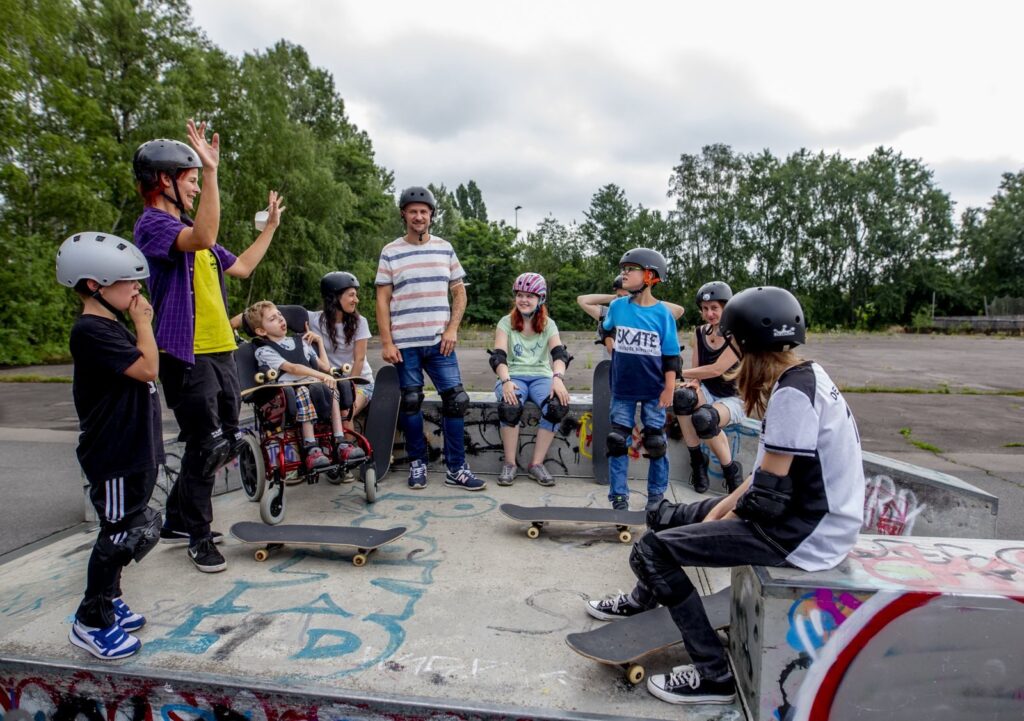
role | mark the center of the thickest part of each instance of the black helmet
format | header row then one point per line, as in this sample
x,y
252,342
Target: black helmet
x,y
715,290
336,282
617,283
764,319
416,194
163,156
647,259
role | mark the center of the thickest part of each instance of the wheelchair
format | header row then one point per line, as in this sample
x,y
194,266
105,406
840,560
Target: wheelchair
x,y
272,456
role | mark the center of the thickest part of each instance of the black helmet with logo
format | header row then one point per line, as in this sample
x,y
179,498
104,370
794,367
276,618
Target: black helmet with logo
x,y
336,282
715,290
647,259
764,319
163,156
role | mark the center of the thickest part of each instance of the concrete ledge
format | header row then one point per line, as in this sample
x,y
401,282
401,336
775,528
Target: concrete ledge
x,y
931,625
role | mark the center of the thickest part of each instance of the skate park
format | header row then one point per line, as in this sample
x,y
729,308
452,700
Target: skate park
x,y
466,617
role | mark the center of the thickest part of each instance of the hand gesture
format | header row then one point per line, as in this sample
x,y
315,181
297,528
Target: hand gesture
x,y
209,153
274,210
311,337
508,393
140,310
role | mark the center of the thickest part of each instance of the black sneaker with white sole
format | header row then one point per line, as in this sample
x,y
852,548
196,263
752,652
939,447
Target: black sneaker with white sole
x,y
684,685
609,609
178,538
206,557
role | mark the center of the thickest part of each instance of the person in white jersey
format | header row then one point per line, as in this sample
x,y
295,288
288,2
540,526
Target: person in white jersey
x,y
802,506
419,331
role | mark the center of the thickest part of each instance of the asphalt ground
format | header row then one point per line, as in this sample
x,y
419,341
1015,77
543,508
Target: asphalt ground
x,y
949,403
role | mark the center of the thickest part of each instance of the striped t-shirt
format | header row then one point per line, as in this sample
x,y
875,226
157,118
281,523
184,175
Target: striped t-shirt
x,y
419,276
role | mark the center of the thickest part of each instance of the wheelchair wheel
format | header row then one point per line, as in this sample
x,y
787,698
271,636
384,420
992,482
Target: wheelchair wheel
x,y
370,482
252,468
272,503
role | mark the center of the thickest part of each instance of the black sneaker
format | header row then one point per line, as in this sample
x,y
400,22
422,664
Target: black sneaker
x,y
620,503
733,474
684,685
176,538
609,609
698,470
206,557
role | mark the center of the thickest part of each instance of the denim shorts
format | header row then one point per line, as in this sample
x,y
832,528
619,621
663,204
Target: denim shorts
x,y
733,403
366,390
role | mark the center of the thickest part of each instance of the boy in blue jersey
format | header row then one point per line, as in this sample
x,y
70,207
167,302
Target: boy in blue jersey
x,y
645,364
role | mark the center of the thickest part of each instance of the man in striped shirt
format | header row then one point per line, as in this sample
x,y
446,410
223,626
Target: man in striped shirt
x,y
419,331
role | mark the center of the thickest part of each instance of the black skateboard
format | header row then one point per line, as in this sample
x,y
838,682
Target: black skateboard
x,y
358,380
382,418
363,540
537,516
623,642
602,407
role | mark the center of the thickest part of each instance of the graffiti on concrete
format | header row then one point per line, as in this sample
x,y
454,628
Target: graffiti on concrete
x,y
347,632
888,510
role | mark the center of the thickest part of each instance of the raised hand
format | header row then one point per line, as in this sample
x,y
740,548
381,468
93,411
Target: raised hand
x,y
209,152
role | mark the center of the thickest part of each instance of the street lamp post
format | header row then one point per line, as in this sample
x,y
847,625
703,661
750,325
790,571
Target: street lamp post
x,y
517,209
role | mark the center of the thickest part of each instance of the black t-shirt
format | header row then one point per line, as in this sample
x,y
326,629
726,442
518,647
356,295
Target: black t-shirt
x,y
706,355
119,417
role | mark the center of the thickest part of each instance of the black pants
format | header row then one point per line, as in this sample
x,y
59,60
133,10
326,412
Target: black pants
x,y
118,502
205,400
719,544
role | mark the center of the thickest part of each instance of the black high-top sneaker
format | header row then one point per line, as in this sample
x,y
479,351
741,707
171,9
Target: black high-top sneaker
x,y
698,470
733,474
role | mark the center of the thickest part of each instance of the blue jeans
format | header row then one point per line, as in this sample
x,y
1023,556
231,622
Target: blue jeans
x,y
534,388
622,414
444,372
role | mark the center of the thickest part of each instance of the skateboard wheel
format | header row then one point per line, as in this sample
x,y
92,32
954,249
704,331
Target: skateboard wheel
x,y
533,532
370,482
261,555
359,559
635,673
625,536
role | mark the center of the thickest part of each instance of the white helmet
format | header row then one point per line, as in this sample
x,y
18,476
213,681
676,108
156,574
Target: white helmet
x,y
102,257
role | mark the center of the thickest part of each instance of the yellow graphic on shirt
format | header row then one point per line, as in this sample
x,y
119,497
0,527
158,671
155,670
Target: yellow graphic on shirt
x,y
213,330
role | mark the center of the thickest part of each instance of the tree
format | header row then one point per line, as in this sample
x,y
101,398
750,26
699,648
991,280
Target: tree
x,y
471,202
994,246
484,249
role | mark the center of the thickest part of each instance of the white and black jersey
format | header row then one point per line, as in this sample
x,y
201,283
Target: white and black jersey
x,y
808,418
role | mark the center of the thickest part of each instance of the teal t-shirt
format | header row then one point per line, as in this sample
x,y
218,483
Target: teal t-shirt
x,y
528,356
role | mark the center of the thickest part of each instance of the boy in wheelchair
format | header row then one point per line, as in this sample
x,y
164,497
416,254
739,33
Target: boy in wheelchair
x,y
294,358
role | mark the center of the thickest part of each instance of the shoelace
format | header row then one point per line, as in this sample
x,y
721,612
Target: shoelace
x,y
683,676
419,471
614,604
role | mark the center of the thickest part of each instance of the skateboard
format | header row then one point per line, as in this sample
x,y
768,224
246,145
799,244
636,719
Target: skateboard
x,y
602,395
382,418
537,516
357,380
623,642
363,540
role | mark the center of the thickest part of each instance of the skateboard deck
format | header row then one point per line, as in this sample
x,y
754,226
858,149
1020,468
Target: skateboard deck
x,y
602,395
537,516
363,540
382,418
624,642
357,380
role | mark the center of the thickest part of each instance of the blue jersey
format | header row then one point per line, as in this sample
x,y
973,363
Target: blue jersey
x,y
642,336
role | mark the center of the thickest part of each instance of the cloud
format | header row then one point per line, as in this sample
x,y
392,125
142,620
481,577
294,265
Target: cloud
x,y
973,183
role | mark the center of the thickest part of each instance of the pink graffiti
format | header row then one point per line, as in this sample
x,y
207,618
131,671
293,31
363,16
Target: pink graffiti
x,y
940,565
826,601
889,511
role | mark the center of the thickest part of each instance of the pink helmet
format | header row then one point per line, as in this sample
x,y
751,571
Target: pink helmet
x,y
531,283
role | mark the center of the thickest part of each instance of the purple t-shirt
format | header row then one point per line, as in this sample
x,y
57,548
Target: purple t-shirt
x,y
170,280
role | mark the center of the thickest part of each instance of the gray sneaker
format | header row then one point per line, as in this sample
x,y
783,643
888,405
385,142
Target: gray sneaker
x,y
508,474
540,474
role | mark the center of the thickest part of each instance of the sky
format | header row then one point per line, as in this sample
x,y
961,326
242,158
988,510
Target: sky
x,y
544,103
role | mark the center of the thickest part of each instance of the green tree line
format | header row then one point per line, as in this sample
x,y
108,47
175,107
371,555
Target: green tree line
x,y
863,243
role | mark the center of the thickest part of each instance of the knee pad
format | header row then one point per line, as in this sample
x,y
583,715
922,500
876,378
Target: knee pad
x,y
655,443
653,565
705,421
684,401
454,402
509,414
346,393
661,516
135,542
618,440
554,411
412,399
213,452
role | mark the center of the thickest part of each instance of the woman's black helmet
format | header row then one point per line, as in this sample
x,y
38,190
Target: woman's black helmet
x,y
763,319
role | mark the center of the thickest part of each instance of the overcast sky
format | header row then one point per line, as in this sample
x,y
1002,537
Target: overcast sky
x,y
543,103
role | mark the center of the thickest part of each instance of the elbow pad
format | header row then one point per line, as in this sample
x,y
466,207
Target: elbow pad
x,y
498,358
767,498
560,352
671,363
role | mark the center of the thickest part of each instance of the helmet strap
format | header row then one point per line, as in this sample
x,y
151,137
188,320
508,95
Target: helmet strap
x,y
103,301
177,196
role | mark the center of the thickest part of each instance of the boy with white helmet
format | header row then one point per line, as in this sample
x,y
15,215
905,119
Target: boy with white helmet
x,y
120,447
523,342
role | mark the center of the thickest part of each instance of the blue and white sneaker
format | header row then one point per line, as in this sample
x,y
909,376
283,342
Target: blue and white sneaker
x,y
463,478
127,618
108,643
417,475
